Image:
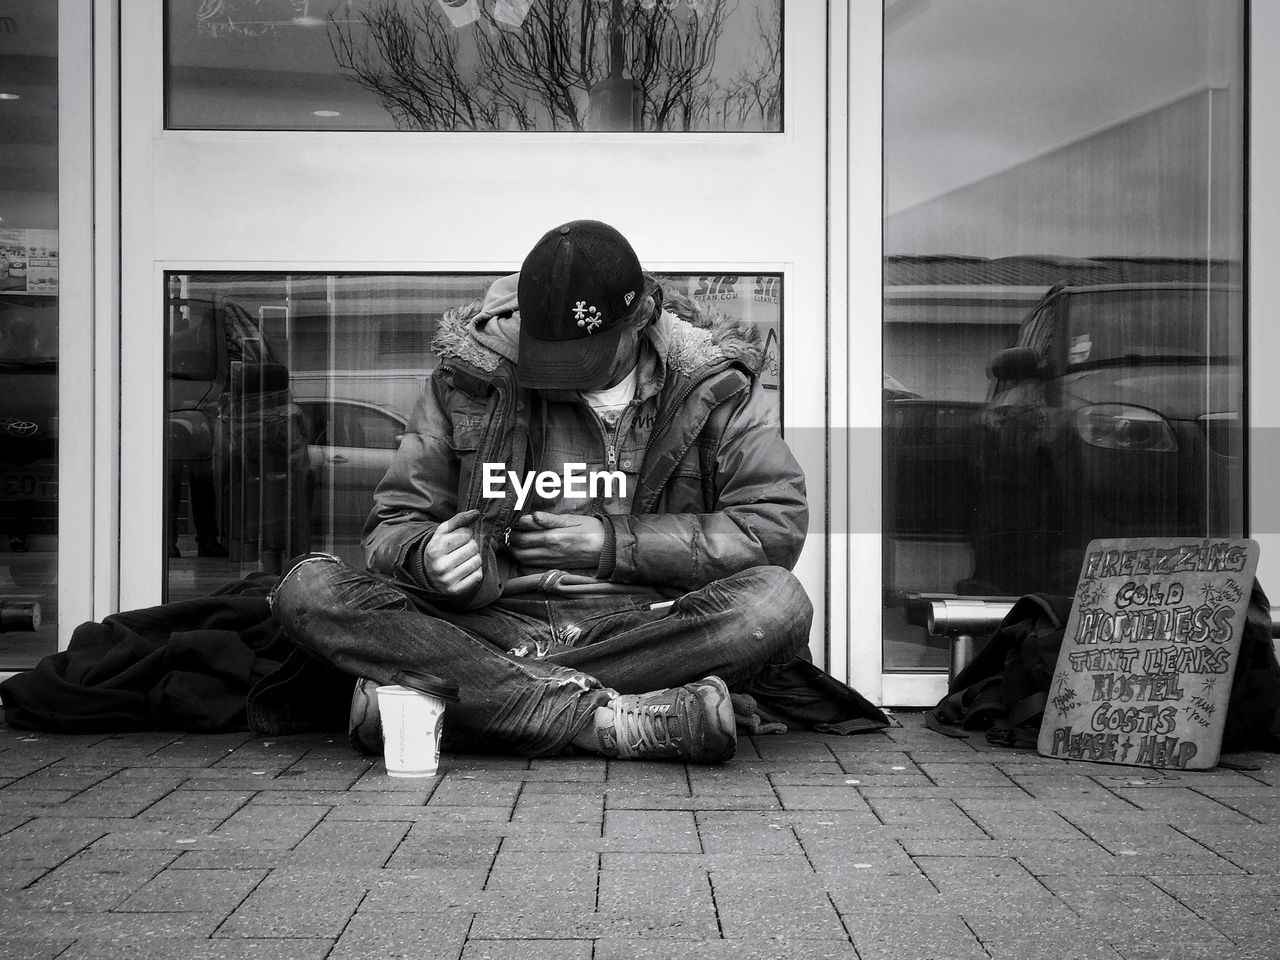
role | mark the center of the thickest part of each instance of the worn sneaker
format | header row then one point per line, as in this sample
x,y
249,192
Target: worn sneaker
x,y
364,726
694,722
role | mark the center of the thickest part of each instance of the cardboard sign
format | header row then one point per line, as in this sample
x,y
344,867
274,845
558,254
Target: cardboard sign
x,y
1149,652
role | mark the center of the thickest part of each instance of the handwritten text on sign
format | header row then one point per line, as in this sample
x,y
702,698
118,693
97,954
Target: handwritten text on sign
x,y
1145,668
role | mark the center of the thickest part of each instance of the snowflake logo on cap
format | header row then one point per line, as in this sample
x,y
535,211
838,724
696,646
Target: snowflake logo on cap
x,y
586,316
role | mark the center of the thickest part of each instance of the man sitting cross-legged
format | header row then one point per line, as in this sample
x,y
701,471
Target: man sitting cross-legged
x,y
616,621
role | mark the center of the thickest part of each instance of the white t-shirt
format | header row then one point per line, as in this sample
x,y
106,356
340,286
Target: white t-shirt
x,y
608,404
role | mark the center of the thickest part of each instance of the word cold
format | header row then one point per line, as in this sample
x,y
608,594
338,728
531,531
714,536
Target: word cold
x,y
574,483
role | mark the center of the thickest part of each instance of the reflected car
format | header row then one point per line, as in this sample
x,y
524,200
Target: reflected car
x,y
928,467
1116,413
235,435
350,444
28,426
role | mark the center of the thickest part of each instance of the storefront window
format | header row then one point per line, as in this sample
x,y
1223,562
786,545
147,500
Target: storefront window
x,y
1063,312
474,65
288,394
28,326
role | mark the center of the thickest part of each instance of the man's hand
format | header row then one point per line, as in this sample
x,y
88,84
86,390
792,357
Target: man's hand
x,y
561,541
451,559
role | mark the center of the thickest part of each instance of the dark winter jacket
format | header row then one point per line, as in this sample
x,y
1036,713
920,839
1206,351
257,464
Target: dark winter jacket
x,y
716,490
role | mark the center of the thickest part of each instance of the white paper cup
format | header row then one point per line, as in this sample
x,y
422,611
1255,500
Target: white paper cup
x,y
411,727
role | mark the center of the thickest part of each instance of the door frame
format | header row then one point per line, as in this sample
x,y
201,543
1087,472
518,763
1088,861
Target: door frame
x,y
87,292
1262,401
1262,247
174,180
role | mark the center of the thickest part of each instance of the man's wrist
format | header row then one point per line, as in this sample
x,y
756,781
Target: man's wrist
x,y
415,564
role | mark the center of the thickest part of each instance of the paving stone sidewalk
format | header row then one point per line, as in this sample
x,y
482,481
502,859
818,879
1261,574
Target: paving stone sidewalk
x,y
891,846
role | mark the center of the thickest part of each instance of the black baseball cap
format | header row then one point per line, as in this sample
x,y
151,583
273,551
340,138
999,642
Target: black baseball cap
x,y
578,286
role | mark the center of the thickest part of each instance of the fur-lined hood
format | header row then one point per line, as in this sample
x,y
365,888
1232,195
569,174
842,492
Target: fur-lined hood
x,y
482,334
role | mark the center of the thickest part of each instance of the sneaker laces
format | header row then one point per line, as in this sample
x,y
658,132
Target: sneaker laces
x,y
642,728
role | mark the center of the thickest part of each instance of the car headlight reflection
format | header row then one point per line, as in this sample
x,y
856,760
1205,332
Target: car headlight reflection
x,y
1118,426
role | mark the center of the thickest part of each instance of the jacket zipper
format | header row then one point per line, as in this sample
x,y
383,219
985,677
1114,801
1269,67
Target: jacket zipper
x,y
611,443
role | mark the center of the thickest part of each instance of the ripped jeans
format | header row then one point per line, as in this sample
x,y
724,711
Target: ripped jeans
x,y
532,668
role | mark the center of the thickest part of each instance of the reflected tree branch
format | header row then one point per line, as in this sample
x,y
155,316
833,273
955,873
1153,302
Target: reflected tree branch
x,y
429,75
756,91
410,62
671,58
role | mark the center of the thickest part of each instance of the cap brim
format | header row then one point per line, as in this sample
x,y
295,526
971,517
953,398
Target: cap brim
x,y
579,364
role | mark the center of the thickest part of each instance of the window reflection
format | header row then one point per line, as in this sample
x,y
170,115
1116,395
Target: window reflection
x,y
288,395
1097,425
29,325
1064,321
488,65
29,433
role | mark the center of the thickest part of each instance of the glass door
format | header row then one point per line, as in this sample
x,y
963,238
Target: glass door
x,y
305,202
1063,295
46,335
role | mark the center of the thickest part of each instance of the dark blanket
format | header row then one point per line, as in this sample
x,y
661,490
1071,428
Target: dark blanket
x,y
801,696
186,665
222,663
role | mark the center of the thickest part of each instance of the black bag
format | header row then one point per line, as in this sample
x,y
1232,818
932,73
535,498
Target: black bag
x,y
1004,689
